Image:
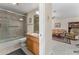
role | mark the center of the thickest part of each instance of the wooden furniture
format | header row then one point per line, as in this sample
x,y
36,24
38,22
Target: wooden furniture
x,y
58,32
70,36
73,30
32,43
72,25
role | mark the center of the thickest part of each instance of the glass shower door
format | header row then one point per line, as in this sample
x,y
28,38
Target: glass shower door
x,y
3,29
11,28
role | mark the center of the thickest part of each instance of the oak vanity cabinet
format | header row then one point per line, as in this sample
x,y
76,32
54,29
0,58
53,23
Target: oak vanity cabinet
x,y
33,44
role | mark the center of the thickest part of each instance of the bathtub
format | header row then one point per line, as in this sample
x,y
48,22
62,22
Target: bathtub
x,y
9,46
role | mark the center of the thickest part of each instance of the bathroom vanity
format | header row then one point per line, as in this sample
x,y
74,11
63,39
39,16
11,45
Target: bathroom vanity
x,y
32,43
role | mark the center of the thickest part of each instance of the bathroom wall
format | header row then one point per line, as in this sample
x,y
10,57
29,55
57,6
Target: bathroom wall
x,y
10,26
30,21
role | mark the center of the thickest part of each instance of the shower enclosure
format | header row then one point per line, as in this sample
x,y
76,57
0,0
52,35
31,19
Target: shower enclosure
x,y
11,28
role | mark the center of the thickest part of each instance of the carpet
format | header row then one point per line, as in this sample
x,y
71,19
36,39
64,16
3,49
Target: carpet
x,y
17,52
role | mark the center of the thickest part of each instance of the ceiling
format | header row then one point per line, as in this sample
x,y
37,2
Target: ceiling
x,y
60,10
19,7
65,10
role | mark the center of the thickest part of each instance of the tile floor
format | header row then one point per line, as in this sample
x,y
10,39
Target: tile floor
x,y
58,48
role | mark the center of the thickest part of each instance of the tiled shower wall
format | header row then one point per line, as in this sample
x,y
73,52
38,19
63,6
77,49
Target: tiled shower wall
x,y
10,26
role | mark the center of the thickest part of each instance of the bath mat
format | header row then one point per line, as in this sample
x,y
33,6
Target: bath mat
x,y
17,52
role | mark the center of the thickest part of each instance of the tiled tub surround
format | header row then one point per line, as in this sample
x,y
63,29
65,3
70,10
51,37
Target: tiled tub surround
x,y
10,46
10,26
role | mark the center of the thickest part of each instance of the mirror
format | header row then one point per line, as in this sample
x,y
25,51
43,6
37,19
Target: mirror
x,y
36,24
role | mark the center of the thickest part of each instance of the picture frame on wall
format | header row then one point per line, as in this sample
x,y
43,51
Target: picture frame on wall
x,y
57,25
30,20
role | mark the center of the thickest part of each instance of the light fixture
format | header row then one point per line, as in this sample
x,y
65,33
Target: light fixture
x,y
14,3
37,12
21,19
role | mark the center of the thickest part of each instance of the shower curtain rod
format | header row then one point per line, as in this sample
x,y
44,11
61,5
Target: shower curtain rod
x,y
12,12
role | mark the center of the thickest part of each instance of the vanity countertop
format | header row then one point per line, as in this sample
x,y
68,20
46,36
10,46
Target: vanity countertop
x,y
33,34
